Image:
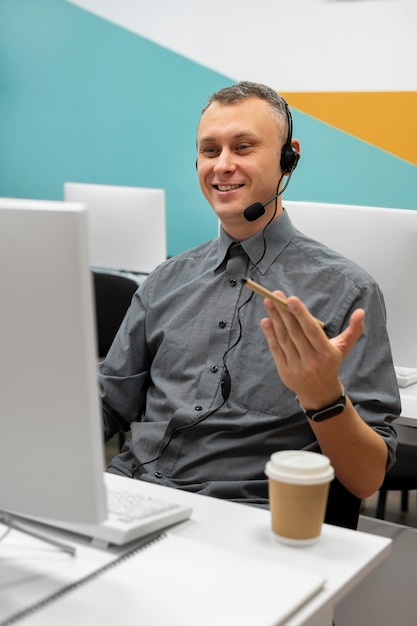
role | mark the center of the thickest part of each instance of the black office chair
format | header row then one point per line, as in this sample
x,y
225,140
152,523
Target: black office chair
x,y
343,507
113,294
402,477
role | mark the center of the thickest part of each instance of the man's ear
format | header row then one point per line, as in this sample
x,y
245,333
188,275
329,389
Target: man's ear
x,y
296,144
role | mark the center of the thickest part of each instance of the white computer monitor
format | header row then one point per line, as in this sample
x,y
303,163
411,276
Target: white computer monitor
x,y
51,460
126,225
384,242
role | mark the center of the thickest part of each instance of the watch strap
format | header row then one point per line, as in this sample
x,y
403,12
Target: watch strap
x,y
326,412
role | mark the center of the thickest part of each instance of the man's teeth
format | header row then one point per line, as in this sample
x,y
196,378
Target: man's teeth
x,y
227,187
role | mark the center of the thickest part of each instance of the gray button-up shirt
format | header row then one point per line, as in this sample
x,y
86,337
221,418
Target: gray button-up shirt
x,y
192,320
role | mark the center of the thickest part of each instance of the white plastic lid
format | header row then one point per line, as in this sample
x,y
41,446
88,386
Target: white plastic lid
x,y
299,467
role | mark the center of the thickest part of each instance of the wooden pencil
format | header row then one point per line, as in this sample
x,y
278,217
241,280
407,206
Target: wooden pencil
x,y
262,291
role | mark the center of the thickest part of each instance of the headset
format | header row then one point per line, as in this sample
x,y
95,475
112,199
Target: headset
x,y
289,155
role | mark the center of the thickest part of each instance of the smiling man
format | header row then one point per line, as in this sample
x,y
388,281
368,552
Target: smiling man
x,y
239,158
210,379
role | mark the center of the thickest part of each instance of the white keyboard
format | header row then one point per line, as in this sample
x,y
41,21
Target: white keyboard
x,y
406,376
132,514
124,506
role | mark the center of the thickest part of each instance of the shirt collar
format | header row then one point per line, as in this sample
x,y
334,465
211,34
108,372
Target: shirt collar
x,y
273,240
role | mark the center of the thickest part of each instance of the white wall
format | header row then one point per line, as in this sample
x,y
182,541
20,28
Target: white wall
x,y
295,45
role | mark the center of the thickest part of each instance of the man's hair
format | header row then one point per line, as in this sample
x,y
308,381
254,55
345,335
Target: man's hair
x,y
247,89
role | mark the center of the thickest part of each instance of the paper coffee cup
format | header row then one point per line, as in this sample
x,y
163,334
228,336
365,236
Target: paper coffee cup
x,y
299,483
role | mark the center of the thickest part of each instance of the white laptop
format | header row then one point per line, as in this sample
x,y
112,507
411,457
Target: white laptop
x,y
52,459
126,225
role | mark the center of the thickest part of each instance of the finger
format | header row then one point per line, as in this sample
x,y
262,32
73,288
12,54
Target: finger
x,y
288,337
269,330
312,329
347,339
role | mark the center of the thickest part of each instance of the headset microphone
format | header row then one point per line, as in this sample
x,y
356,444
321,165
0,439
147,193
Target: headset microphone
x,y
256,210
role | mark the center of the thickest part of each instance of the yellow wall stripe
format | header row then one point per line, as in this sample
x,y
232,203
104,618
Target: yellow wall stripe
x,y
387,120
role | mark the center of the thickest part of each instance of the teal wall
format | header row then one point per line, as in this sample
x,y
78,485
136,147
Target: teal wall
x,y
82,99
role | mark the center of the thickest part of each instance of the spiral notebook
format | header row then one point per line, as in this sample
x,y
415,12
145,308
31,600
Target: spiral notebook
x,y
169,579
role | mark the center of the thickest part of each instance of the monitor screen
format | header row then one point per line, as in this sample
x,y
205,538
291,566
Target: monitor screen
x,y
51,461
126,225
384,242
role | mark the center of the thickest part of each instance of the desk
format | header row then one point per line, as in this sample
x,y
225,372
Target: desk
x,y
343,557
409,406
406,424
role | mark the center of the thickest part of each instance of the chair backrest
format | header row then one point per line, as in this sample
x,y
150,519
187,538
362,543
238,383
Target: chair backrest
x,y
343,507
113,295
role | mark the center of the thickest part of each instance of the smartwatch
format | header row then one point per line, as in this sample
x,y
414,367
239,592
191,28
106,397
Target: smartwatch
x,y
319,415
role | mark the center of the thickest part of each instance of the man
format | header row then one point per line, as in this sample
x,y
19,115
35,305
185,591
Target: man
x,y
208,386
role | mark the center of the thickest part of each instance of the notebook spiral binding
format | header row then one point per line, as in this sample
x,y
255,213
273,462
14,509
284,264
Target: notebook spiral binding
x,y
56,595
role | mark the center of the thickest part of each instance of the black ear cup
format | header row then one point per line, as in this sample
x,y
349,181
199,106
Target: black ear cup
x,y
289,158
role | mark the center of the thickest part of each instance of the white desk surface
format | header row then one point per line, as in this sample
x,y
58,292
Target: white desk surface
x,y
409,406
342,557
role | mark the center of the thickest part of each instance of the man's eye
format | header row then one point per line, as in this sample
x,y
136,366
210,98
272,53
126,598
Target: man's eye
x,y
210,152
242,147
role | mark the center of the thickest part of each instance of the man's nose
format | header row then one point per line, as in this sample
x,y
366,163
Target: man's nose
x,y
225,162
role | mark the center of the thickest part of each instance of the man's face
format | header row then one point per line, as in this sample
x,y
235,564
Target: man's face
x,y
239,147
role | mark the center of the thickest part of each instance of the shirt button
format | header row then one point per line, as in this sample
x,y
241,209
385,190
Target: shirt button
x,y
233,282
222,324
198,408
158,474
214,369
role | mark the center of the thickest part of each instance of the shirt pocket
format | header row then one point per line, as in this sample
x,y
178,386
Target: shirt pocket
x,y
256,384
